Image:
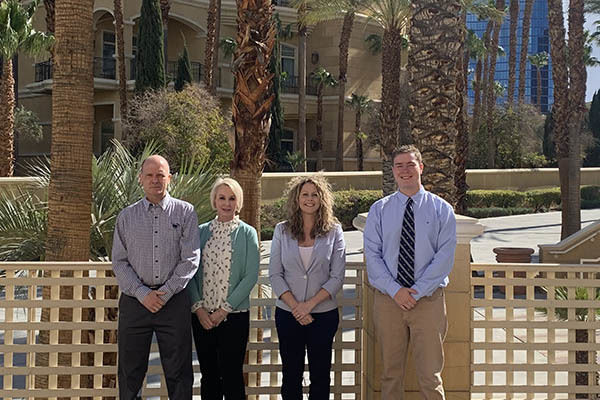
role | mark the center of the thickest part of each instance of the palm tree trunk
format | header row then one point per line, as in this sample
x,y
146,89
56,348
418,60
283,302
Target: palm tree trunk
x,y
462,125
7,119
211,47
477,85
252,100
538,70
491,96
215,60
560,109
320,127
118,5
68,237
359,144
487,39
524,47
343,60
49,6
576,95
302,93
512,59
433,92
388,183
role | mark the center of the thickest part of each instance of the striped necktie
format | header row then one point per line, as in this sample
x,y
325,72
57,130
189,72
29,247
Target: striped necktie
x,y
406,255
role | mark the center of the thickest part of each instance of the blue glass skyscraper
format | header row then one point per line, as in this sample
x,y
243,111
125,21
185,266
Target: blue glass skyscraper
x,y
539,41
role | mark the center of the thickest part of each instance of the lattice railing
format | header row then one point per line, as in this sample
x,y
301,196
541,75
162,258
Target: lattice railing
x,y
58,325
535,331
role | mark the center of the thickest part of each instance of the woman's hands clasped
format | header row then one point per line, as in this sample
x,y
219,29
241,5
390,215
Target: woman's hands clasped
x,y
211,320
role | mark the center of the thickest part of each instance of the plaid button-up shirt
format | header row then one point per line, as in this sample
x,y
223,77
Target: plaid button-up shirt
x,y
156,245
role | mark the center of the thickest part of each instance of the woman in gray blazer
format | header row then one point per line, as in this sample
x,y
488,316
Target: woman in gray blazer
x,y
306,271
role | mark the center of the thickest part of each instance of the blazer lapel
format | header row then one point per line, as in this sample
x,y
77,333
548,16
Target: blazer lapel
x,y
314,255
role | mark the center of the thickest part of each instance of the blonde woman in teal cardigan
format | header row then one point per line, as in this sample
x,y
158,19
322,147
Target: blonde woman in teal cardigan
x,y
220,294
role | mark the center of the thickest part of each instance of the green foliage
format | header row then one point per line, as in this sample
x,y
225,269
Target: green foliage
x,y
490,212
347,205
495,198
184,70
23,216
294,159
150,62
27,125
186,124
543,199
17,33
592,158
518,137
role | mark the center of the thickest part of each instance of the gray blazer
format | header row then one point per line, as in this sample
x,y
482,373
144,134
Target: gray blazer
x,y
326,269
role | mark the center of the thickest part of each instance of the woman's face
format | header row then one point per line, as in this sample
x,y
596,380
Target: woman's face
x,y
309,200
226,203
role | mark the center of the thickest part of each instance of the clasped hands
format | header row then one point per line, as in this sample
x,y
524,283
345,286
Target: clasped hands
x,y
211,320
301,311
404,298
153,302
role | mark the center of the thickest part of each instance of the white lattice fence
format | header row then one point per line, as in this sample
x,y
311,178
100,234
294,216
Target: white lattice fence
x,y
58,325
535,331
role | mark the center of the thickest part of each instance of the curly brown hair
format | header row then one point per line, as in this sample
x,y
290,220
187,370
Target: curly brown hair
x,y
324,220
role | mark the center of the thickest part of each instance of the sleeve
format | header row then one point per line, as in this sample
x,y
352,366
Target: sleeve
x,y
250,269
276,275
337,266
128,280
189,245
443,260
377,271
194,287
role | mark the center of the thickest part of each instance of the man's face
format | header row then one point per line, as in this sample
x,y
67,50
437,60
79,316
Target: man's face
x,y
155,178
407,172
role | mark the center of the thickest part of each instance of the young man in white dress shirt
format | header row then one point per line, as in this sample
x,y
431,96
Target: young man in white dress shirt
x,y
409,241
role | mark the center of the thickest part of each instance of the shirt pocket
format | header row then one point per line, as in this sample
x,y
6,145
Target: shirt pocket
x,y
176,229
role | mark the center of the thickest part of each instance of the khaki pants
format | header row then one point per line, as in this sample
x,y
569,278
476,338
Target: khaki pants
x,y
423,329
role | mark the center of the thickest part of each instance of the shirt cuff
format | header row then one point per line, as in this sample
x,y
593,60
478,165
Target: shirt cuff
x,y
196,305
227,307
142,292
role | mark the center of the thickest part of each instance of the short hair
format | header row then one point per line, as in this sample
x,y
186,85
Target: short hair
x,y
157,156
235,188
325,218
407,148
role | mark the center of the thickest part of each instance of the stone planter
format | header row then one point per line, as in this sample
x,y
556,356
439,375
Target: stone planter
x,y
513,254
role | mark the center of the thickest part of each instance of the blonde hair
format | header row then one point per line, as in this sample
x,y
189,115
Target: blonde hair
x,y
235,188
324,220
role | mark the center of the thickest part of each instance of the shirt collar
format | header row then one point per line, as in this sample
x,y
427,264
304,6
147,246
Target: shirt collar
x,y
417,197
162,204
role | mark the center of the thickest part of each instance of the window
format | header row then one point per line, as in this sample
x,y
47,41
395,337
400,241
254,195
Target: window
x,y
287,141
288,61
107,133
108,51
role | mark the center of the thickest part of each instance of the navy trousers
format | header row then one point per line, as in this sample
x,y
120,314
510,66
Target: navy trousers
x,y
295,341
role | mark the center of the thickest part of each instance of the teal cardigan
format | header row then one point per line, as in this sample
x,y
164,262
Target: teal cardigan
x,y
244,266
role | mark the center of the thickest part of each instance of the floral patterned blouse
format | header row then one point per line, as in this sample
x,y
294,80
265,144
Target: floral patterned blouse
x,y
216,262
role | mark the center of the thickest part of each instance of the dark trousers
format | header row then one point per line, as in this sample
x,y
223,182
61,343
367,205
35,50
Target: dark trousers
x,y
221,351
172,327
317,339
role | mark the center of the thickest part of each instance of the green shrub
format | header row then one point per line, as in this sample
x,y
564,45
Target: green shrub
x,y
543,199
590,192
488,212
495,198
589,204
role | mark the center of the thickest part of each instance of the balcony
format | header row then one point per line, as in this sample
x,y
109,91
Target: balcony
x,y
104,67
290,85
197,71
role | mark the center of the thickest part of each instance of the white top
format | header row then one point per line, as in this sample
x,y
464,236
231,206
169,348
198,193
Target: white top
x,y
216,261
305,254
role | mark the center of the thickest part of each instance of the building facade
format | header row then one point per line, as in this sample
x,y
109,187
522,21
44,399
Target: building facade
x,y
539,41
189,18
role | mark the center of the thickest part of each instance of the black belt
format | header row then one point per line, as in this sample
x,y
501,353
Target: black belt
x,y
154,287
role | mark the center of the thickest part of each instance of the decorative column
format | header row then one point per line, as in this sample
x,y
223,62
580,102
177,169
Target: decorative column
x,y
457,371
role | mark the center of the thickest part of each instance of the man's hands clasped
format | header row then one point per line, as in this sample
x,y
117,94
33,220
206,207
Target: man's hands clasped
x,y
153,302
404,298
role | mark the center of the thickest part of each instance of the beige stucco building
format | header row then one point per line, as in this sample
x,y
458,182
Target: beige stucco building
x,y
188,18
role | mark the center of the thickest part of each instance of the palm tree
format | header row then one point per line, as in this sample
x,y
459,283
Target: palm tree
x,y
211,49
539,61
577,81
560,109
118,6
524,48
165,7
49,6
491,97
68,237
478,51
252,100
433,89
323,79
392,16
325,10
360,104
302,34
512,50
16,35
